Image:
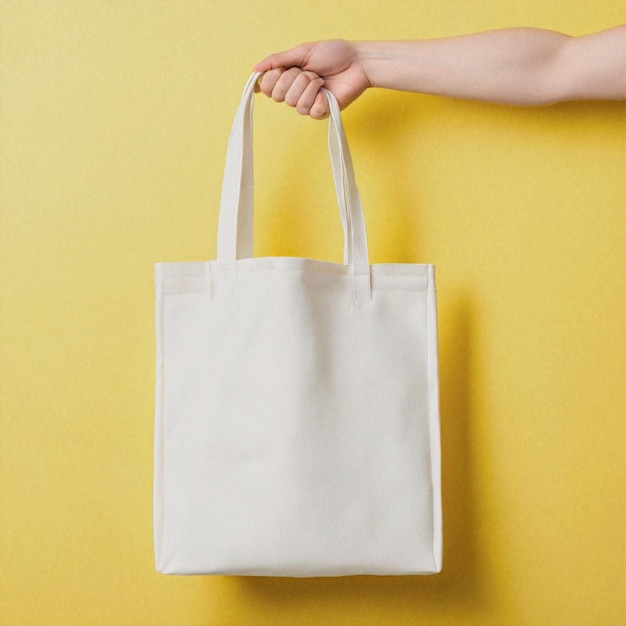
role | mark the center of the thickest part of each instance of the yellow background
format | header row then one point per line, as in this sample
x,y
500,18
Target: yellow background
x,y
115,118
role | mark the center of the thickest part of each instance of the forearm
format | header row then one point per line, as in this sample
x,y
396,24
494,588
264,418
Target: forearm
x,y
523,66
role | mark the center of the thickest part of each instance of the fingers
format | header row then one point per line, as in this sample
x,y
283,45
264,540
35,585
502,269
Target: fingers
x,y
296,88
319,110
284,80
302,91
270,80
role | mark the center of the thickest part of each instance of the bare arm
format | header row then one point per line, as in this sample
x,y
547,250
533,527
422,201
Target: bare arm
x,y
520,66
512,66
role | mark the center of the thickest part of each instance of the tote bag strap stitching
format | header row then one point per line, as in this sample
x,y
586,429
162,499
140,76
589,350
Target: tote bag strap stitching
x,y
245,222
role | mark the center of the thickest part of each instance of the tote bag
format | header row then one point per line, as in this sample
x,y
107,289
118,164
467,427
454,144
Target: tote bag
x,y
297,418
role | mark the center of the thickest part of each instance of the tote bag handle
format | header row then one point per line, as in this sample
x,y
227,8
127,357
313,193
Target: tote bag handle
x,y
236,221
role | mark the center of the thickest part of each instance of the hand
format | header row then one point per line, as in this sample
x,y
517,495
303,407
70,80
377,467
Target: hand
x,y
297,75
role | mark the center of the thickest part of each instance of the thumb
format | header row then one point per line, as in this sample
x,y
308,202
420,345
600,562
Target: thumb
x,y
295,57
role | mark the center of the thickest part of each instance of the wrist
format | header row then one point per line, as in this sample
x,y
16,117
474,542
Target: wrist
x,y
370,57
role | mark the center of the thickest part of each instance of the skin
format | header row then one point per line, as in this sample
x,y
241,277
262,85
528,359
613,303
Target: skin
x,y
516,66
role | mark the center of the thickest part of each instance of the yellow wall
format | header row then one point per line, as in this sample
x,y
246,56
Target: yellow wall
x,y
115,117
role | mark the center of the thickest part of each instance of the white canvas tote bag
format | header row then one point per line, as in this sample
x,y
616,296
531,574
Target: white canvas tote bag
x,y
297,418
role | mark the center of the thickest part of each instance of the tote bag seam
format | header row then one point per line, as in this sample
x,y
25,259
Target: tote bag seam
x,y
185,288
385,269
159,470
430,434
433,414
